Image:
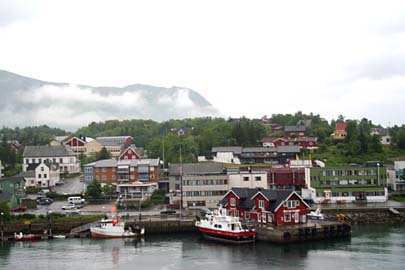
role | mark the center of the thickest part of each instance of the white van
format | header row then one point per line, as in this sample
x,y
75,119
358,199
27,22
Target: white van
x,y
76,200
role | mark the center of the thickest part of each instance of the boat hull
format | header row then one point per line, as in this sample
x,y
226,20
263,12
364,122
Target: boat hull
x,y
100,234
28,238
228,237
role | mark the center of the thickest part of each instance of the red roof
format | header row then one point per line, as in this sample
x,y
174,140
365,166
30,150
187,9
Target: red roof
x,y
341,126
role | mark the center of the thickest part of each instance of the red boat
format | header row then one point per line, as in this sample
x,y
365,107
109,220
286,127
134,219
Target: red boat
x,y
222,228
26,237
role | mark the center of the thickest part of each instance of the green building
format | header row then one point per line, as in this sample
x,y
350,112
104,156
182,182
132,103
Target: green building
x,y
12,185
347,183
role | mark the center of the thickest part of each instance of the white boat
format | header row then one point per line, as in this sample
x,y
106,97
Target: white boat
x,y
220,227
111,228
317,215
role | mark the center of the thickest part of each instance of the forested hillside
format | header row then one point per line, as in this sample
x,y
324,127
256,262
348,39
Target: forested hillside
x,y
201,134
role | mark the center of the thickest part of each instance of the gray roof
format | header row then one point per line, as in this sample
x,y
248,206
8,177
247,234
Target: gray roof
x,y
259,149
294,128
13,179
5,196
112,141
234,149
106,163
26,174
197,168
48,151
288,149
245,194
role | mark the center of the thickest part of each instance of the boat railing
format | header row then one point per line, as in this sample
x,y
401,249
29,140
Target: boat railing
x,y
84,227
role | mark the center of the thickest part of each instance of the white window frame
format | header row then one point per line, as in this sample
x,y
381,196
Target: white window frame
x,y
285,217
261,204
232,202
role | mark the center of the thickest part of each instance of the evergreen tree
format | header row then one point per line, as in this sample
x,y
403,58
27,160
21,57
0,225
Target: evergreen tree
x,y
94,190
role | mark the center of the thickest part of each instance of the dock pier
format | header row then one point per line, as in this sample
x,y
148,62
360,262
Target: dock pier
x,y
312,230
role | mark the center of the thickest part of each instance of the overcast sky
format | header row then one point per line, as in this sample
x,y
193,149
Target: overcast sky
x,y
249,58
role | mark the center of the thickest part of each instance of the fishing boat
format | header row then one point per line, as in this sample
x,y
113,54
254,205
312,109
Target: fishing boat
x,y
317,215
26,237
111,228
218,226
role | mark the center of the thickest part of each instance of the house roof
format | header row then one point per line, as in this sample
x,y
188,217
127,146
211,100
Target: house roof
x,y
12,179
288,149
247,195
106,163
61,138
234,149
272,139
140,152
48,151
5,196
294,128
341,126
112,141
29,173
197,168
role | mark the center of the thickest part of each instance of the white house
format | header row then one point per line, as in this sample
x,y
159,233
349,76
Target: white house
x,y
58,154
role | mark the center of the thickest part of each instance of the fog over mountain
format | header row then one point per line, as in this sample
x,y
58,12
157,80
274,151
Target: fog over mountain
x,y
26,102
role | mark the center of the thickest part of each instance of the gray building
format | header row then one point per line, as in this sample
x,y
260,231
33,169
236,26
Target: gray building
x,y
203,184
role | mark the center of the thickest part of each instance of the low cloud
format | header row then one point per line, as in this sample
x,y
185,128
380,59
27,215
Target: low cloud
x,y
72,106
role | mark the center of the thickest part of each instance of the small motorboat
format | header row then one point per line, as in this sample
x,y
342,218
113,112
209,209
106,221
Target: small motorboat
x,y
26,237
59,236
317,215
111,228
220,227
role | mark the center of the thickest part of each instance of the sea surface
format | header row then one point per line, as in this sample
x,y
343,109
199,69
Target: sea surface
x,y
371,247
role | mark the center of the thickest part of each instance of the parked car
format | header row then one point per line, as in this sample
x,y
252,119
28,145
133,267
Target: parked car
x,y
76,200
68,207
73,213
168,212
44,200
20,208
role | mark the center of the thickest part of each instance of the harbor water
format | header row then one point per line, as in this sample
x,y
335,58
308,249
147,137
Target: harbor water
x,y
371,247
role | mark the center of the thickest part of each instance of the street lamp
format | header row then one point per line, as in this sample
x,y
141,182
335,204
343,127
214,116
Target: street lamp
x,y
2,225
378,174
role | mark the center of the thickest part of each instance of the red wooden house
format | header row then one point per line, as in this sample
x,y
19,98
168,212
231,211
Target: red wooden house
x,y
276,207
131,152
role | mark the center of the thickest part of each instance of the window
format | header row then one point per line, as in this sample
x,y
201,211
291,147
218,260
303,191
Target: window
x,y
26,161
113,169
132,177
258,178
104,169
245,178
45,175
113,177
270,217
104,178
237,213
261,204
61,160
33,160
287,217
42,169
39,175
232,202
40,160
246,215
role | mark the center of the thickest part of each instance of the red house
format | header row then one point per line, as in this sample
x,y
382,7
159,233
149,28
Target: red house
x,y
294,131
131,152
302,142
276,207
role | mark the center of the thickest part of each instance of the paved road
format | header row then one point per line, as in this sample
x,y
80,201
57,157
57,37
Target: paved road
x,y
70,186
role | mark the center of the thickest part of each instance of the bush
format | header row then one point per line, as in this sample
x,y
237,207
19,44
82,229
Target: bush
x,y
32,190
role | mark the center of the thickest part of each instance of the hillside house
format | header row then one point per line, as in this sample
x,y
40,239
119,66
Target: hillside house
x,y
340,131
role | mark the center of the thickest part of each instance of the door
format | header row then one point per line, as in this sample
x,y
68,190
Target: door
x,y
264,218
296,217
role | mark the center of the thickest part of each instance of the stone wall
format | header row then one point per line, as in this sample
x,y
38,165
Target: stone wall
x,y
365,216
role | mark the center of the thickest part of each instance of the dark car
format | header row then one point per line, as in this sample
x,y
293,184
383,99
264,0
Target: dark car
x,y
44,200
168,212
20,208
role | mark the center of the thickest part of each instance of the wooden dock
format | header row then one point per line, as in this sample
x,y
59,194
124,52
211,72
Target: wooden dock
x,y
312,230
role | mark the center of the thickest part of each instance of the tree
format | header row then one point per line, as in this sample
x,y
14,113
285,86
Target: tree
x,y
94,190
103,154
5,209
400,138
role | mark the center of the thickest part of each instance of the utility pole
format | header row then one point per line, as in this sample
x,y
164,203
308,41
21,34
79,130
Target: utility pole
x,y
181,185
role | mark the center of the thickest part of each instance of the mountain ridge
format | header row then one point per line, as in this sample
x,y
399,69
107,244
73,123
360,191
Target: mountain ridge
x,y
27,101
